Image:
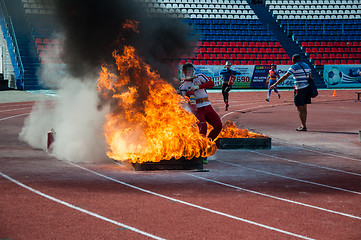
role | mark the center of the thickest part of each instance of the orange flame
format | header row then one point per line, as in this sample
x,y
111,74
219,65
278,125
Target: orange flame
x,y
147,122
230,130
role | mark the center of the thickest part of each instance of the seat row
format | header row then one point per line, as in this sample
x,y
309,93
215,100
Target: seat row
x,y
327,38
236,32
223,21
311,2
240,50
335,56
333,50
329,32
330,62
315,7
283,16
239,44
237,62
242,56
237,38
331,44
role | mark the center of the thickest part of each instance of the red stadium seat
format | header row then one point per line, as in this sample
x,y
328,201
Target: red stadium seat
x,y
283,62
216,62
282,50
338,55
233,56
199,44
270,62
202,50
271,44
286,57
304,44
237,62
242,50
229,50
222,50
249,62
196,62
264,62
308,50
249,50
262,50
349,44
226,56
199,56
259,56
212,44
278,44
210,50
206,56
336,44
321,50
243,62
332,56
219,56
209,62
314,50
327,50
323,62
264,44
39,41
317,44
317,62
279,57
325,56
323,44
223,62
345,55
319,56
236,50
258,44
252,44
213,56
246,56
330,62
40,47
245,44
337,62
272,56
357,61
216,50
225,44
289,62
189,61
219,44
266,56
269,50
342,44
334,50
358,55
203,62
310,44
239,44
330,44
277,62
253,56
352,56
355,44
257,62
255,50
182,62
239,56
343,61
350,61
232,44
46,41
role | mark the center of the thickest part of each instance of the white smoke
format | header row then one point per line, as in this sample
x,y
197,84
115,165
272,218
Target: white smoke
x,y
74,115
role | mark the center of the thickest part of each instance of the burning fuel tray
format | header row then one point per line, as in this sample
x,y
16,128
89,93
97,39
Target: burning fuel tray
x,y
172,164
244,143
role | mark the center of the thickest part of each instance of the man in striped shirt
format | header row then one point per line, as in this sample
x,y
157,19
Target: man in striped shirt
x,y
301,72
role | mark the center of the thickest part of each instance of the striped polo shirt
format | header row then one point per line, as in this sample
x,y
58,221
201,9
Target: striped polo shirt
x,y
299,76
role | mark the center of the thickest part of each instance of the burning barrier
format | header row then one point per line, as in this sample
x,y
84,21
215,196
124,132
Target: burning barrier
x,y
147,122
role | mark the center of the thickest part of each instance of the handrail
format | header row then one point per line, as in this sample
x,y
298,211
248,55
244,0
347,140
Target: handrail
x,y
11,34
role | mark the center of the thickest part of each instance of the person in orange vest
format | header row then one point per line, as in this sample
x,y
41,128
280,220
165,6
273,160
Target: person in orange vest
x,y
272,78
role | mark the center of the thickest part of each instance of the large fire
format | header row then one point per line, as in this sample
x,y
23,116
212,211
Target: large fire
x,y
230,130
147,122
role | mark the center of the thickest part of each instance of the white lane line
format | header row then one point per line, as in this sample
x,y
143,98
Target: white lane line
x,y
190,204
80,209
291,178
9,110
316,151
274,197
1,119
254,108
307,164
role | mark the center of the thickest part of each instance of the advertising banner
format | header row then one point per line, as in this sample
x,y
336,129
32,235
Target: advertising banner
x,y
342,76
251,76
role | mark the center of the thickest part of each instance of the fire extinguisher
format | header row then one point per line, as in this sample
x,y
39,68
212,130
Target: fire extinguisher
x,y
231,80
51,134
192,101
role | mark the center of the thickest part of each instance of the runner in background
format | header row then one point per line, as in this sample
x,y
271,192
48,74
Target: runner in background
x,y
272,78
228,79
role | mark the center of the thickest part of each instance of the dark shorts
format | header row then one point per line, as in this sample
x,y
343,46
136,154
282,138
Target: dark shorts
x,y
302,96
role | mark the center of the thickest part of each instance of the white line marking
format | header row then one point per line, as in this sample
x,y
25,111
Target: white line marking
x,y
274,197
307,164
1,119
190,204
9,110
295,179
316,151
78,208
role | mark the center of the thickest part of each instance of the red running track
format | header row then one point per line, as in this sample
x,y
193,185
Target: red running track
x,y
307,186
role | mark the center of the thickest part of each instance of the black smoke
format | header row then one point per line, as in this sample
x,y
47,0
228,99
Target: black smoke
x,y
93,30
